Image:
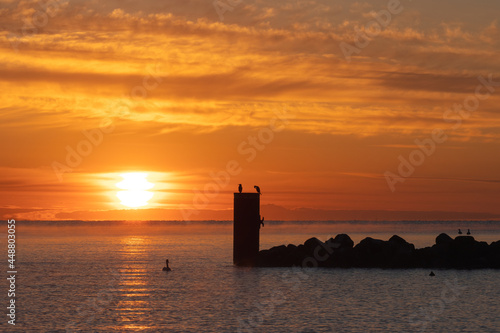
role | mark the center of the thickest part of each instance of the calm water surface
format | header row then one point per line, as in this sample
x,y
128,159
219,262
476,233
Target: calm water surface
x,y
74,277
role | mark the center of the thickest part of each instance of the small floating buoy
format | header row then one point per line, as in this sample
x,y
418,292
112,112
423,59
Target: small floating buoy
x,y
432,274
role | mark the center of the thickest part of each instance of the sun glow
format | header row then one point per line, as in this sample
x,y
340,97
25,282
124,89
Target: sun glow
x,y
136,186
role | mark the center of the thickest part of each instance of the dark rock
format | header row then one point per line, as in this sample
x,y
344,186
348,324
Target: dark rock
x,y
340,241
494,254
344,257
441,251
370,253
464,240
443,239
317,251
278,249
495,246
462,252
401,253
340,251
426,258
370,245
311,244
400,245
398,240
274,257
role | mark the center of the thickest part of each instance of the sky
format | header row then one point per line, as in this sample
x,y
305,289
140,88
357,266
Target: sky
x,y
336,109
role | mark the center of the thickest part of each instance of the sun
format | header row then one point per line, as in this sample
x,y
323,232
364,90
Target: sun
x,y
136,186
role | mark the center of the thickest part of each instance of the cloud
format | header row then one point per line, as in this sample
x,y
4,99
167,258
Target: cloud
x,y
214,83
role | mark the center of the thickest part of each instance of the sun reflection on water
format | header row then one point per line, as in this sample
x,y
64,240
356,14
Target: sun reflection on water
x,y
134,303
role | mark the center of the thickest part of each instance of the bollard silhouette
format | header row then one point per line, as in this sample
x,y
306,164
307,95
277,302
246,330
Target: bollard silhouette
x,y
246,228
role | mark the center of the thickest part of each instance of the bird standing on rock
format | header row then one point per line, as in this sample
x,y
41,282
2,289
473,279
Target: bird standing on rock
x,y
240,188
468,231
258,189
459,231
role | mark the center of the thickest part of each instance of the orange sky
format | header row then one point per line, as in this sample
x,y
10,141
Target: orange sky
x,y
291,94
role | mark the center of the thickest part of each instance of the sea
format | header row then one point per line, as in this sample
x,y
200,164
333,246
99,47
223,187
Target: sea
x,y
77,276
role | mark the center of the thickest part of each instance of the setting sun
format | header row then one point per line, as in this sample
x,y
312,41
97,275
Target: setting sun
x,y
135,185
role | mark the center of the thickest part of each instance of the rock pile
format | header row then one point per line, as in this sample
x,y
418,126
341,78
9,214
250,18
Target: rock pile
x,y
463,252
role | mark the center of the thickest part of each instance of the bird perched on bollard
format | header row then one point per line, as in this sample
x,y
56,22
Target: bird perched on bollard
x,y
258,189
240,188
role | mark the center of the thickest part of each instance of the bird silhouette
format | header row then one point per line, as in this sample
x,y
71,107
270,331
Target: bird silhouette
x,y
166,268
432,274
240,188
258,189
468,231
459,231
